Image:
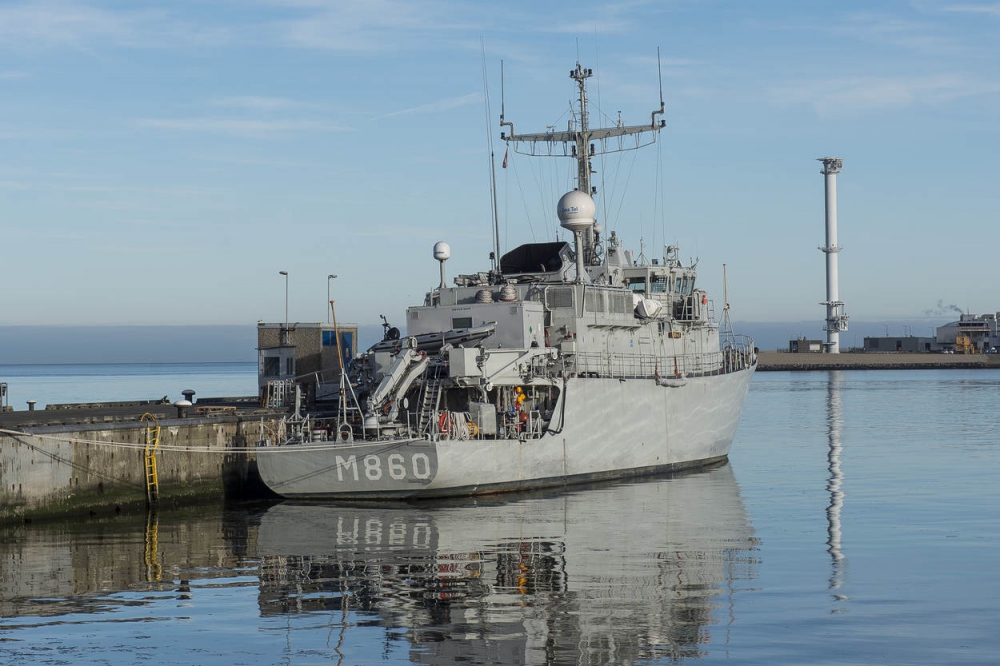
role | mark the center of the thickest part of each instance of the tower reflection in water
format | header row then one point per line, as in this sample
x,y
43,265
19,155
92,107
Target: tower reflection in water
x,y
606,574
834,421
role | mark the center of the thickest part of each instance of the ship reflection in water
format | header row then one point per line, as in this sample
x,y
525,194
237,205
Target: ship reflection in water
x,y
606,574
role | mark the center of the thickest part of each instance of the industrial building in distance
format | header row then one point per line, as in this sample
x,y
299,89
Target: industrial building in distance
x,y
971,334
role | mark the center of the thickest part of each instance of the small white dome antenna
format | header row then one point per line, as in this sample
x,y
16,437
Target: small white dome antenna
x,y
442,252
576,213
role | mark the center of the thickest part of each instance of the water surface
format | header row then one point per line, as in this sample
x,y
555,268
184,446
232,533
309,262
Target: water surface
x,y
857,523
99,382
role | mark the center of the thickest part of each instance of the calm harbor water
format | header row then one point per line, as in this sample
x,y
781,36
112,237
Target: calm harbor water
x,y
856,523
75,383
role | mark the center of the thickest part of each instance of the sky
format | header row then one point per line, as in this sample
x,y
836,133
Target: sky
x,y
160,164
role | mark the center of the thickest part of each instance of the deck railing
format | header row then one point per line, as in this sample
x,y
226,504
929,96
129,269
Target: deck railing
x,y
737,354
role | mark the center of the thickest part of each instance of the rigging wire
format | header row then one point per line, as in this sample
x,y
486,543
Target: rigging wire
x,y
600,110
493,174
661,175
628,180
524,200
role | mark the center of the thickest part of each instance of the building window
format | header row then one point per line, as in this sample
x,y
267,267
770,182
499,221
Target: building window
x,y
289,366
346,346
272,366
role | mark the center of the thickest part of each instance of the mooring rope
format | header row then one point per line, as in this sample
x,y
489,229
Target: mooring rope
x,y
179,448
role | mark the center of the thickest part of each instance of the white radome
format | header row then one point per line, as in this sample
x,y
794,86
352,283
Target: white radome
x,y
442,251
576,211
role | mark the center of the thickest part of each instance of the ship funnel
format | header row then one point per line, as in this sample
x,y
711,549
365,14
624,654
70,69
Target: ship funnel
x,y
576,213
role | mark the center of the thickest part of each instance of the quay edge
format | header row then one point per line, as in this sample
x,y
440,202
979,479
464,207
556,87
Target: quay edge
x,y
44,476
780,360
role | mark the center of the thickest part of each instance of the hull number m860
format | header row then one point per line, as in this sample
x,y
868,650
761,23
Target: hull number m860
x,y
396,466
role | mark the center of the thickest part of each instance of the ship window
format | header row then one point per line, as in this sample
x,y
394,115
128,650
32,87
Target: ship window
x,y
289,366
685,286
637,284
271,366
461,322
659,284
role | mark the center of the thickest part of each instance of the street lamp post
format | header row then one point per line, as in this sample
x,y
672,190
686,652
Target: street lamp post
x,y
284,332
329,303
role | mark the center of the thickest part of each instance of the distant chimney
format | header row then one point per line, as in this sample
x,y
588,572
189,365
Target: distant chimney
x,y
836,318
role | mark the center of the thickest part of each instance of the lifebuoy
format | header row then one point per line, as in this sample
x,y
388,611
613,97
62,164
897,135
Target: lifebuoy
x,y
444,423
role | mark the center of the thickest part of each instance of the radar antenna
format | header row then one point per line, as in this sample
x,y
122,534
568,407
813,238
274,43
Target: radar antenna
x,y
577,140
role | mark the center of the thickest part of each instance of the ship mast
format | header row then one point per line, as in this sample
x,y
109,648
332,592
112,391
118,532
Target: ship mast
x,y
577,143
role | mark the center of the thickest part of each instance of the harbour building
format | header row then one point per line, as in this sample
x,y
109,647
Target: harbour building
x,y
306,353
970,334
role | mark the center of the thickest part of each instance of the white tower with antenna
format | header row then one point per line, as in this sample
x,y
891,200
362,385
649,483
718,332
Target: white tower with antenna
x,y
836,317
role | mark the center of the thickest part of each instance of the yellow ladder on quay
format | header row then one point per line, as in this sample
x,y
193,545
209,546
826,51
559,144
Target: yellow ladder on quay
x,y
149,454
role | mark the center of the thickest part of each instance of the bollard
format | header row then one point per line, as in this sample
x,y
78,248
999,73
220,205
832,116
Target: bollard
x,y
188,395
31,405
182,406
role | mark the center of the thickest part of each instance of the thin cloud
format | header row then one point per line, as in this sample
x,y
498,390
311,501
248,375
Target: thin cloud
x,y
895,31
257,103
854,95
991,10
587,27
371,26
434,107
59,23
240,126
10,76
32,25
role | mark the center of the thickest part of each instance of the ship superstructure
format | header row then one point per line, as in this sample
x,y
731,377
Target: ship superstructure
x,y
560,363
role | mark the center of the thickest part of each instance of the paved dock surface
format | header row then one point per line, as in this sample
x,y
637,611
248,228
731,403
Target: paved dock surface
x,y
775,360
119,412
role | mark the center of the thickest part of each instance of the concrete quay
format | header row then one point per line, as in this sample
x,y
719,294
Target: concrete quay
x,y
89,461
779,360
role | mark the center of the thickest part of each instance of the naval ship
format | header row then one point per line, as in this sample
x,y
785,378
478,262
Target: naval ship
x,y
560,364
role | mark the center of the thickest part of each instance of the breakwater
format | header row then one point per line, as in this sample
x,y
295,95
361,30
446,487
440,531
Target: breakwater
x,y
95,465
776,360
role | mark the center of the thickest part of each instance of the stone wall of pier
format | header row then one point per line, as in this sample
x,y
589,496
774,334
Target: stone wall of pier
x,y
84,469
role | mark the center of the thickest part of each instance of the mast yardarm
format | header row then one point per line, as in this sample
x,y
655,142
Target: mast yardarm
x,y
577,143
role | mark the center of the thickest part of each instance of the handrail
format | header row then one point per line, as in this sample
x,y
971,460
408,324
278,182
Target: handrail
x,y
739,354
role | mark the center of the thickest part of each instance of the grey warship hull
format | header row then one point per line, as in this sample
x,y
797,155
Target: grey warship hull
x,y
613,429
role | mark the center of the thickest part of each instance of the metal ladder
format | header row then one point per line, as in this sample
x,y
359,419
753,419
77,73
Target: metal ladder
x,y
149,455
429,403
151,548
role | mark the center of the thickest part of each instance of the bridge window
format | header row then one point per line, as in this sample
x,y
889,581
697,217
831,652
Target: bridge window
x,y
636,285
684,286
